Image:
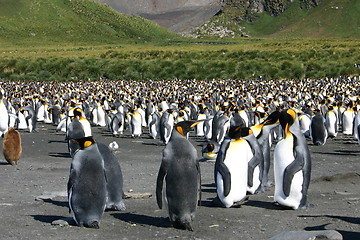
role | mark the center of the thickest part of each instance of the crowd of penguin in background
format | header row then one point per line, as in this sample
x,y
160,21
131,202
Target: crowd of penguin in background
x,y
241,122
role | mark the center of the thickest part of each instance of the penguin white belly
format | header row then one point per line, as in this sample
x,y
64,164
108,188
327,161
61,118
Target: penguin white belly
x,y
330,124
200,126
283,157
245,117
143,119
305,122
40,115
22,122
136,123
154,131
208,131
225,127
168,133
236,161
348,118
356,124
4,118
101,117
87,127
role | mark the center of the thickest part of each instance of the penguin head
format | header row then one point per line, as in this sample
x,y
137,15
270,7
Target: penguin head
x,y
273,118
77,112
84,142
237,132
184,127
287,118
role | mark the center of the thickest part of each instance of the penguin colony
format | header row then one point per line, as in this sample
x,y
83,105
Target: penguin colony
x,y
241,122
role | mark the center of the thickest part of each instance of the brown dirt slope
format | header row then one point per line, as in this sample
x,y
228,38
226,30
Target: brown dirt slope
x,y
176,15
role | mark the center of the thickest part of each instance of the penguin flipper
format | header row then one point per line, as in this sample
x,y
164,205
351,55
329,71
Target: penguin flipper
x,y
226,175
290,171
199,178
159,183
251,166
70,184
168,128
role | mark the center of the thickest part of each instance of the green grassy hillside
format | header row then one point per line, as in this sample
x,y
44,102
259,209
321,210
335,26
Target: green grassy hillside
x,y
332,18
38,22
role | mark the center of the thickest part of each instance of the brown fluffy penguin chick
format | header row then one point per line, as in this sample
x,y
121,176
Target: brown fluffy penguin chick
x,y
12,146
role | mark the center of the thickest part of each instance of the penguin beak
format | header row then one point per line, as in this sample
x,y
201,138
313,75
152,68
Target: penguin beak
x,y
194,124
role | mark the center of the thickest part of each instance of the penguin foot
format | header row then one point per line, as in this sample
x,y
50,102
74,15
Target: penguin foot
x,y
94,224
183,225
308,205
240,203
268,184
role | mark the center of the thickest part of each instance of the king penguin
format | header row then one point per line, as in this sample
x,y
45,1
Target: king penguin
x,y
4,116
318,131
114,179
87,186
181,170
12,149
331,122
166,125
292,164
262,133
231,167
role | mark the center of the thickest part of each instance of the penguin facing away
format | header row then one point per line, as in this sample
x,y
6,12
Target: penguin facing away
x,y
318,131
87,186
292,164
12,149
181,171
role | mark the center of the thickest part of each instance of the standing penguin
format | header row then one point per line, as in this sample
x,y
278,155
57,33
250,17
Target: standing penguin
x,y
74,131
86,186
292,164
231,167
262,133
4,116
12,149
331,122
348,119
154,125
181,170
318,131
255,163
166,125
135,123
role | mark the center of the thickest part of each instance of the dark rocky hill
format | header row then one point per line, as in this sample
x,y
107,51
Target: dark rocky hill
x,y
176,15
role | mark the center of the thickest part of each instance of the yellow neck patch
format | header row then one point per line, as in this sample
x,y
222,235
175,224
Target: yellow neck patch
x,y
180,130
87,144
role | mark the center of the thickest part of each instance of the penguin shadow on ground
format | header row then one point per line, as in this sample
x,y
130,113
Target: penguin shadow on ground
x,y
5,163
57,203
339,153
51,218
207,160
57,141
140,219
108,134
60,155
347,235
214,202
